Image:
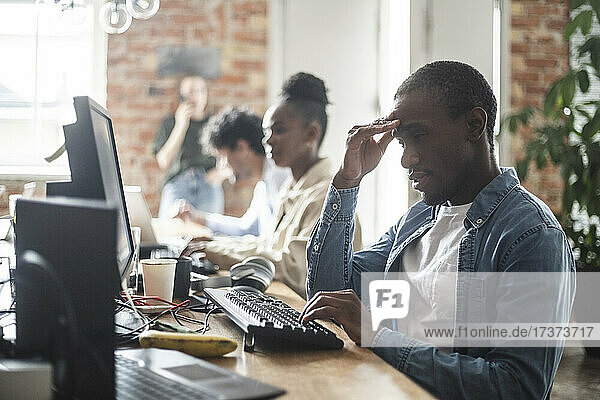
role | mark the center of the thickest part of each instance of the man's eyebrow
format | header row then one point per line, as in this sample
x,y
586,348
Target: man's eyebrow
x,y
408,128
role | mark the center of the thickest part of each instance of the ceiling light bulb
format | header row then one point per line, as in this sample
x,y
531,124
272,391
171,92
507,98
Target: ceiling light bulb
x,y
114,18
142,9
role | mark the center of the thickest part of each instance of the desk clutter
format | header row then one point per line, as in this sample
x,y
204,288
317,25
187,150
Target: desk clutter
x,y
74,253
65,304
79,293
66,282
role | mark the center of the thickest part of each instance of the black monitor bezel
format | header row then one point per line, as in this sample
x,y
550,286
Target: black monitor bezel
x,y
93,106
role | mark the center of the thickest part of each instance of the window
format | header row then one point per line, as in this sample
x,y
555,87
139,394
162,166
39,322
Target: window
x,y
50,54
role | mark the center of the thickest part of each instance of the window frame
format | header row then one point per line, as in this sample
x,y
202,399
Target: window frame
x,y
99,42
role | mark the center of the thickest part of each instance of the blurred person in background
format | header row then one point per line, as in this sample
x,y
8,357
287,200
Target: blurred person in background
x,y
294,128
236,135
180,155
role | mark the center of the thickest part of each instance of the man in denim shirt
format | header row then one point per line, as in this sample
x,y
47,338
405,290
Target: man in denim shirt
x,y
444,116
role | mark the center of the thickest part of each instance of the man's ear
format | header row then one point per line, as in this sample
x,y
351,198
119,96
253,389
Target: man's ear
x,y
476,124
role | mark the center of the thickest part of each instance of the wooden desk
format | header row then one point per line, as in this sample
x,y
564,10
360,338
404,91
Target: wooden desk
x,y
351,373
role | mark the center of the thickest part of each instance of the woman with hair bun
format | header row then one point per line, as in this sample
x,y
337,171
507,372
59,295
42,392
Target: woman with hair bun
x,y
294,130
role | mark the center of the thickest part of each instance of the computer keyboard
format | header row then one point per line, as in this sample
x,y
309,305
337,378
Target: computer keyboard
x,y
136,382
262,315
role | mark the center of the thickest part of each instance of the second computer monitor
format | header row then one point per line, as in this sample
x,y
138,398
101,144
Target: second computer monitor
x,y
95,171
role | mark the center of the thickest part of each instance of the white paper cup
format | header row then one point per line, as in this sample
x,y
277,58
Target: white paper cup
x,y
159,276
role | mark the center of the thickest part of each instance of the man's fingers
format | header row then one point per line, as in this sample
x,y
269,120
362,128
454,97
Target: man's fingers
x,y
336,299
366,132
343,292
324,312
375,125
312,300
385,140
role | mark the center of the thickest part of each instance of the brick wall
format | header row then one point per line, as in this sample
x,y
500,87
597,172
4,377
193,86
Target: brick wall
x,y
138,99
539,55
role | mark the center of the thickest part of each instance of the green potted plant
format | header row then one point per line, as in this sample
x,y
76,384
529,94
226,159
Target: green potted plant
x,y
566,133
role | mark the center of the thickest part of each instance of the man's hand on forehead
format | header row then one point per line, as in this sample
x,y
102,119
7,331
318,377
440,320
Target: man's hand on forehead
x,y
364,151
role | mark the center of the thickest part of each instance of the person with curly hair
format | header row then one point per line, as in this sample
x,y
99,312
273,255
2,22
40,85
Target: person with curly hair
x,y
236,135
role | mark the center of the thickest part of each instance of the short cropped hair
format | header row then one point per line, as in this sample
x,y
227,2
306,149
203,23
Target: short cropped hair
x,y
456,86
223,130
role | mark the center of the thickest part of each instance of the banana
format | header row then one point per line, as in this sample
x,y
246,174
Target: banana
x,y
190,343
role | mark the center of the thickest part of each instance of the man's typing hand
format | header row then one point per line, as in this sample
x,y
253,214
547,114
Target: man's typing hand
x,y
345,308
363,151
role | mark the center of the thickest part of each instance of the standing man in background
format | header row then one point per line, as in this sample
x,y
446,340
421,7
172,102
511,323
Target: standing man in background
x,y
179,153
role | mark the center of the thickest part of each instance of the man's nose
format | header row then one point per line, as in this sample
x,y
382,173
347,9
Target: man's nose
x,y
410,157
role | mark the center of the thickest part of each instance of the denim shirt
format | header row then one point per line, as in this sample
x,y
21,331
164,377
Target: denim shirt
x,y
507,230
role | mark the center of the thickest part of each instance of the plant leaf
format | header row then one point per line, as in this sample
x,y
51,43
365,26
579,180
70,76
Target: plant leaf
x,y
595,54
551,98
586,21
576,3
583,20
570,29
522,168
591,127
512,124
584,80
568,90
588,45
596,7
583,111
525,114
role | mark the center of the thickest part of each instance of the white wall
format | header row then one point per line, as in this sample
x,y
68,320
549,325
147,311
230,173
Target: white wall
x,y
335,40
459,30
363,49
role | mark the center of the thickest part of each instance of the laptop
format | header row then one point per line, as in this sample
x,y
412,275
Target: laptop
x,y
139,213
162,374
171,232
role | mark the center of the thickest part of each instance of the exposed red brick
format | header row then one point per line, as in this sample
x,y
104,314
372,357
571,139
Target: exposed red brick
x,y
536,90
525,76
190,19
541,45
525,21
558,24
245,8
228,78
540,62
249,65
136,114
252,37
520,48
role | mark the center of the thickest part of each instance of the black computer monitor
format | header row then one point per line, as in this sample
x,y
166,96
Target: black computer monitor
x,y
95,171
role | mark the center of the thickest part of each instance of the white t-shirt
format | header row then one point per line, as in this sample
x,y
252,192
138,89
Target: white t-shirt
x,y
431,264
